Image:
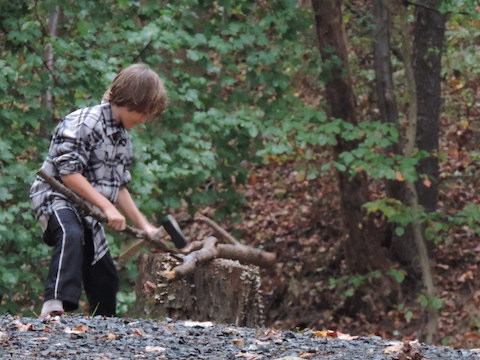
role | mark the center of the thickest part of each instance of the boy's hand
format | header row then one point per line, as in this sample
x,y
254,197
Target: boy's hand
x,y
152,230
115,219
82,187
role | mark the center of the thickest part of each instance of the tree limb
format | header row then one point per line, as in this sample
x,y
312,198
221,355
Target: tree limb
x,y
210,249
206,253
247,254
220,231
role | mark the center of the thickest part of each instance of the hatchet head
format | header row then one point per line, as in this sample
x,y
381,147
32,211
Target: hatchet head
x,y
171,227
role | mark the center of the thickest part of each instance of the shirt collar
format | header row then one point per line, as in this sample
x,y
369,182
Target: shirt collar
x,y
112,125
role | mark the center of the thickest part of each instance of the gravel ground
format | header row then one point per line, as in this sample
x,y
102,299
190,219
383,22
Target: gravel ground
x,y
79,337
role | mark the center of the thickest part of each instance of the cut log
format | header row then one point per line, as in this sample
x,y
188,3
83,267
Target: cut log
x,y
220,290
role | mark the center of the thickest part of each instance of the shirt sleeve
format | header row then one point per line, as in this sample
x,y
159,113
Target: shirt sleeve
x,y
70,147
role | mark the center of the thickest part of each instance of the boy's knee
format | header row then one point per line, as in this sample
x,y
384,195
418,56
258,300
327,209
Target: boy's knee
x,y
75,234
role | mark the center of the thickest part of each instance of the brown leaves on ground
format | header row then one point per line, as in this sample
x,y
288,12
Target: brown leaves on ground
x,y
405,351
17,324
335,334
79,329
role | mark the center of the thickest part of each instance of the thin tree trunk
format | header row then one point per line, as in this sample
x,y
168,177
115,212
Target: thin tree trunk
x,y
414,201
428,47
362,247
427,54
402,247
410,84
47,97
427,275
385,91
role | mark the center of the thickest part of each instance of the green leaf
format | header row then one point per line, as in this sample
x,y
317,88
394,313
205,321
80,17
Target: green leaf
x,y
397,275
5,195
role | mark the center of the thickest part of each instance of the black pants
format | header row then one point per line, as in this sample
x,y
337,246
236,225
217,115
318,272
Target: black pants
x,y
71,265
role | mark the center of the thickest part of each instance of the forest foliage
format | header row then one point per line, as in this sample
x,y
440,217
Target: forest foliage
x,y
227,69
244,81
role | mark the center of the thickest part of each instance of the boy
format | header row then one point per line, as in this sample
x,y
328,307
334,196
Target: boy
x,y
90,152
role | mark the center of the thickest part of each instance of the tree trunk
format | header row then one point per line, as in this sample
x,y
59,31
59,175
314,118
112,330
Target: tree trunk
x,y
427,54
412,248
402,246
47,98
221,290
387,105
362,248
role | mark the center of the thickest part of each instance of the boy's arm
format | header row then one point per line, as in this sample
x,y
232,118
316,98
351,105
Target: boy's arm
x,y
80,185
128,207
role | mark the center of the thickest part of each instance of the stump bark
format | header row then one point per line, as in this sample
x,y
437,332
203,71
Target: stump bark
x,y
220,290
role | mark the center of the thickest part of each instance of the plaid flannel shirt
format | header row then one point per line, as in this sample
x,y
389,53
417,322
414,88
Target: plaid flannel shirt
x,y
88,141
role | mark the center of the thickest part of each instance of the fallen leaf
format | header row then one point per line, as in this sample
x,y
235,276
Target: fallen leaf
x,y
249,356
202,324
154,349
138,332
230,331
21,326
397,347
307,355
238,342
472,335
466,276
79,329
343,336
111,336
325,333
335,334
411,350
414,344
82,328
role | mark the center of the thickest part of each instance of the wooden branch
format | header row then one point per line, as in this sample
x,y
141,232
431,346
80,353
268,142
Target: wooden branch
x,y
246,255
206,253
192,246
199,252
220,231
155,241
210,249
72,197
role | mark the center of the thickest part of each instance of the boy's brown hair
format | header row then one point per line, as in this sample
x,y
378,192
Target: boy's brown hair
x,y
138,88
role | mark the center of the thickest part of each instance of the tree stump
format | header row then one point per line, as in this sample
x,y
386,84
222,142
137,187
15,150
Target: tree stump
x,y
220,290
